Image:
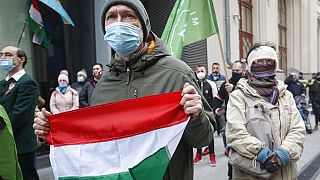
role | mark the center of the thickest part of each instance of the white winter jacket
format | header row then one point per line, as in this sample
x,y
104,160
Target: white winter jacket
x,y
287,123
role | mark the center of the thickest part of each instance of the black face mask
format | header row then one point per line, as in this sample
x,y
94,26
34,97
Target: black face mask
x,y
236,76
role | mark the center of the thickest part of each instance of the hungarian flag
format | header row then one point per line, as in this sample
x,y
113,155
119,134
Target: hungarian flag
x,y
35,24
9,166
190,21
131,139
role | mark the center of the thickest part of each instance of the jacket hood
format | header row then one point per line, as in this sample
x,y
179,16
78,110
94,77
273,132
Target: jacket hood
x,y
248,90
141,63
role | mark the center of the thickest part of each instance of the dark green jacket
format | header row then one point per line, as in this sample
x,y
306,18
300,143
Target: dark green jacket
x,y
20,103
9,166
155,73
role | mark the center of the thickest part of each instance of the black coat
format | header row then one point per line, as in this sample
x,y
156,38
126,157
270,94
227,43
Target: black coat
x,y
19,100
295,87
222,95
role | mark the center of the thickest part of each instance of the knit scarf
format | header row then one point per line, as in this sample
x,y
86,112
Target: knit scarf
x,y
263,70
264,83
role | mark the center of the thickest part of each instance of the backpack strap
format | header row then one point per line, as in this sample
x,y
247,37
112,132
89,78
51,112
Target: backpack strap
x,y
250,103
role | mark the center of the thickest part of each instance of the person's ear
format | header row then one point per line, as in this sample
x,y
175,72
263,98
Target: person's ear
x,y
22,59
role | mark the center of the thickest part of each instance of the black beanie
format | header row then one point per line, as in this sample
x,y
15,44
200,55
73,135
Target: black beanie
x,y
137,7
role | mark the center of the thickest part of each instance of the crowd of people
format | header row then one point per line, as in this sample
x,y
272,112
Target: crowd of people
x,y
141,67
68,97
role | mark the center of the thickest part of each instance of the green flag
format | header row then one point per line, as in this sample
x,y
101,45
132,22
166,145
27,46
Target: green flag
x,y
190,21
9,166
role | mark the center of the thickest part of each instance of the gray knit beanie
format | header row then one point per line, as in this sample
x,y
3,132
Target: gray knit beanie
x,y
137,7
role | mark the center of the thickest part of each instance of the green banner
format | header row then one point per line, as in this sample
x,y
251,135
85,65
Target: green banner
x,y
190,21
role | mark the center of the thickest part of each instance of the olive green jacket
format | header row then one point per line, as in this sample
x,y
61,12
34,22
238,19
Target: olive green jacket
x,y
155,73
9,166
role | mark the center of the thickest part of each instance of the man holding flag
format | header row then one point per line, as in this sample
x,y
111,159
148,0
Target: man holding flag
x,y
143,67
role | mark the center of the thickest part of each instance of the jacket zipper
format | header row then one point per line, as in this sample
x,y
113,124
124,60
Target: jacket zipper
x,y
128,75
281,170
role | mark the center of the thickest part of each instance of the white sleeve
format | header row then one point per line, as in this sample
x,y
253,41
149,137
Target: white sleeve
x,y
213,87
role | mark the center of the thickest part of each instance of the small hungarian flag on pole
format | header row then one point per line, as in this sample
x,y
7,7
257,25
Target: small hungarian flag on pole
x,y
190,21
35,24
132,139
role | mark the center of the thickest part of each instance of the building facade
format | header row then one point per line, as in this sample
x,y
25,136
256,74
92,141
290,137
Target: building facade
x,y
12,19
292,26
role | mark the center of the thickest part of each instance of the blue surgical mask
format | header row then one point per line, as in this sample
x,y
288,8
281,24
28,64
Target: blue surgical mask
x,y
63,87
124,38
6,64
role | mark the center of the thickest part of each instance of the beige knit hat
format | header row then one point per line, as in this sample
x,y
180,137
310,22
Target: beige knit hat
x,y
63,77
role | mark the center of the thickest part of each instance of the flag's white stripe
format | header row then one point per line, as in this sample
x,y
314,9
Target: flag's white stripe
x,y
35,15
36,39
112,157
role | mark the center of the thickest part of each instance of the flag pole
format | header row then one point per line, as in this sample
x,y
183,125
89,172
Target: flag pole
x,y
223,58
24,27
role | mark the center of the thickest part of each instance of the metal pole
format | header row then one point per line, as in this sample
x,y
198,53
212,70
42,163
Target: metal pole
x,y
227,23
223,59
24,26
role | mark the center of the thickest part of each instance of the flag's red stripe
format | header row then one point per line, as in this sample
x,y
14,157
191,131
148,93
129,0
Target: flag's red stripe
x,y
35,5
116,120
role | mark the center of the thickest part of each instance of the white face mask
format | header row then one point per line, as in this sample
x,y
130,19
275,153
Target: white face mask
x,y
80,78
201,75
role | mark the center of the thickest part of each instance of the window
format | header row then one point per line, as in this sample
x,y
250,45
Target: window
x,y
282,30
245,29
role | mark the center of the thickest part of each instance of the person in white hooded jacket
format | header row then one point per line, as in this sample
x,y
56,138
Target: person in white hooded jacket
x,y
288,127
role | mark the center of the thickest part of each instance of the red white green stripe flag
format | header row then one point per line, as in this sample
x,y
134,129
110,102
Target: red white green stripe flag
x,y
132,139
35,24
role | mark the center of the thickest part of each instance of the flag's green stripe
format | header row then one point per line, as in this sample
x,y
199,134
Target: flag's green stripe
x,y
118,176
40,32
152,167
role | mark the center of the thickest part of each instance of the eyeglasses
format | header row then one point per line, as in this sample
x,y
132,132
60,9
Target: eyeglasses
x,y
265,61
